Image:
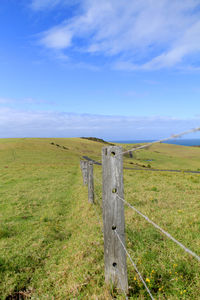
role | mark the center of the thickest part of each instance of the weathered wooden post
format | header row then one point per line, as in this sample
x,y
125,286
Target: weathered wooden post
x,y
90,183
130,154
84,169
113,217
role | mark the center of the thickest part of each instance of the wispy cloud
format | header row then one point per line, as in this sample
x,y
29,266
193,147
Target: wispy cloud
x,y
21,123
145,34
57,38
11,101
43,4
39,5
5,101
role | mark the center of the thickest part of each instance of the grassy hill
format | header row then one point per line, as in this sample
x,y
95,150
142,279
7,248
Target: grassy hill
x,y
51,242
167,156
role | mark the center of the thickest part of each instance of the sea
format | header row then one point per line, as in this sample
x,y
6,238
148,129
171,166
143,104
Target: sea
x,y
183,142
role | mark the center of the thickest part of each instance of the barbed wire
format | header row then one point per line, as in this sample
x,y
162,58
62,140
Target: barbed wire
x,y
134,265
174,136
162,230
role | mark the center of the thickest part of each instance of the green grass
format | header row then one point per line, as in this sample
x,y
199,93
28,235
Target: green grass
x,y
51,243
166,156
170,200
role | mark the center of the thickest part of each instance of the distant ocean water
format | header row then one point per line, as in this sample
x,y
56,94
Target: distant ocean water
x,y
183,142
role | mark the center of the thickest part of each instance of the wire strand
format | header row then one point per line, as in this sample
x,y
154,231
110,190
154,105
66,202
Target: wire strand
x,y
162,230
174,136
134,265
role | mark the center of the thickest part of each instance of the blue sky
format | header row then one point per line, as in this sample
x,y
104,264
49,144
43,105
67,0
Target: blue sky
x,y
113,69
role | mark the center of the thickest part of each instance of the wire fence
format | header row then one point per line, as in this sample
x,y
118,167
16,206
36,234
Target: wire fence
x,y
99,202
174,136
134,265
162,230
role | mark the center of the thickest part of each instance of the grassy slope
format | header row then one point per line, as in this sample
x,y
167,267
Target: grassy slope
x,y
51,242
166,156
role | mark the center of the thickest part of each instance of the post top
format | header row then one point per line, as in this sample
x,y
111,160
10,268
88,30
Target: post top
x,y
112,150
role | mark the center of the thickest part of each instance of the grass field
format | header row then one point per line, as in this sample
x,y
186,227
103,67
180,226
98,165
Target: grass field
x,y
51,242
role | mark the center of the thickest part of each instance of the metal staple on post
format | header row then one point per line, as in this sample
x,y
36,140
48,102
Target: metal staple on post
x,y
113,217
84,169
90,182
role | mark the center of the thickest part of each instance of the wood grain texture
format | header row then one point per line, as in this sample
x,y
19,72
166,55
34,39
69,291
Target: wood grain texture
x,y
84,169
113,217
90,183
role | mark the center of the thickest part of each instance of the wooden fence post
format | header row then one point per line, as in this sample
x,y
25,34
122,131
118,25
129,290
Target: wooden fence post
x,y
113,217
90,183
84,169
130,154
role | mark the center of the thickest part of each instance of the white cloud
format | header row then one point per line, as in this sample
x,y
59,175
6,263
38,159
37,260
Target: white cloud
x,y
39,5
189,43
145,34
5,101
42,4
21,123
24,101
57,38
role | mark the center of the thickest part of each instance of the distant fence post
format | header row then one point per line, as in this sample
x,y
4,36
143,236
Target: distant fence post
x,y
90,183
113,217
84,169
